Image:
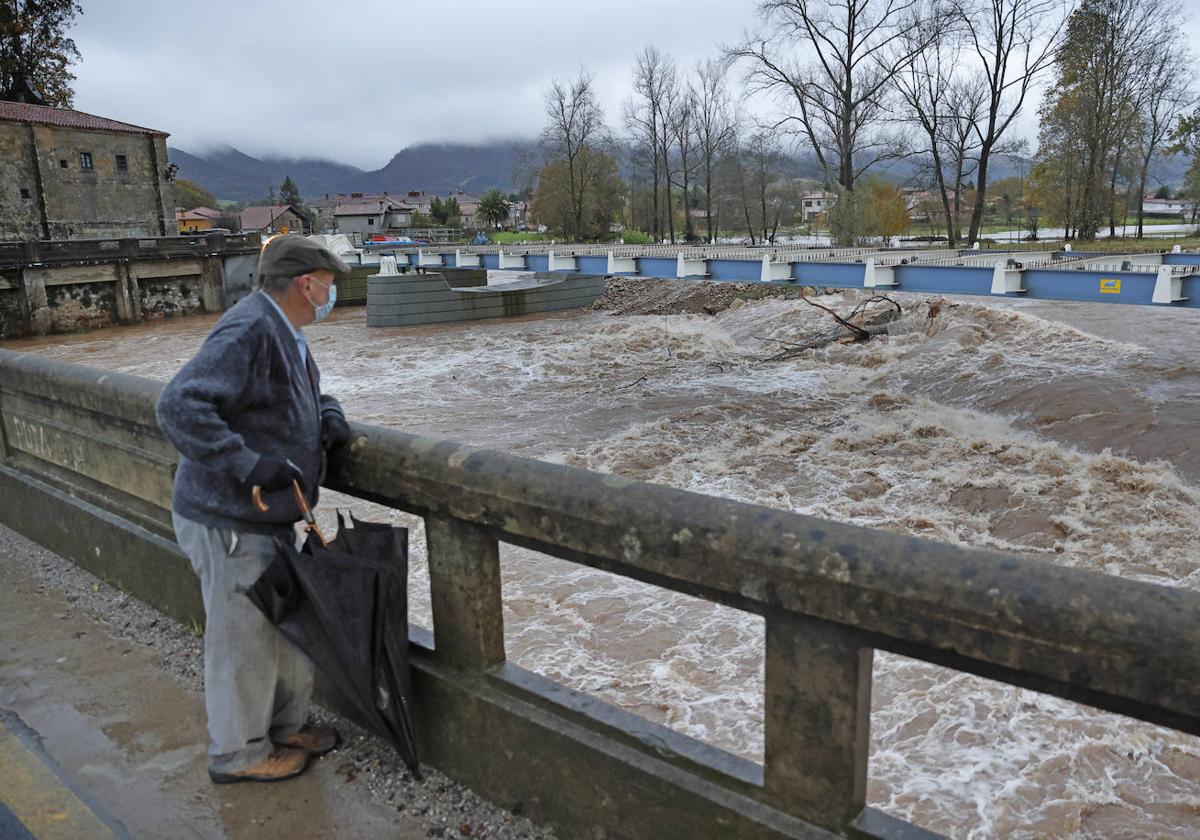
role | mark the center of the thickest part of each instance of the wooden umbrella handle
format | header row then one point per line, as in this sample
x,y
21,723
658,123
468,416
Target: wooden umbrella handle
x,y
310,521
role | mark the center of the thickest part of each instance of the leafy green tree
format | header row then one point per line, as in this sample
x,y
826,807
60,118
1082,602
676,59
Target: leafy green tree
x,y
289,193
493,208
874,208
845,218
1007,192
885,213
1092,116
191,195
579,216
35,51
445,213
1186,140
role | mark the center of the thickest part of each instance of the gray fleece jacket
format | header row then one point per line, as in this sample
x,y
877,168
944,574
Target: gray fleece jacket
x,y
245,394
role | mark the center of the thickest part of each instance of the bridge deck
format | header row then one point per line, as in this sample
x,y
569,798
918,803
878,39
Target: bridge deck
x,y
1162,279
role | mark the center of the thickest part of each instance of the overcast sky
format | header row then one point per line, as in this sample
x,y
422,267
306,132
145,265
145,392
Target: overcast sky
x,y
356,81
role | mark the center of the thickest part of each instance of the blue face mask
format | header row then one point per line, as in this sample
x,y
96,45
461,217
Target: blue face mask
x,y
321,312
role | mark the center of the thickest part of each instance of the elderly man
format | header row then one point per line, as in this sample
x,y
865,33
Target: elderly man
x,y
248,411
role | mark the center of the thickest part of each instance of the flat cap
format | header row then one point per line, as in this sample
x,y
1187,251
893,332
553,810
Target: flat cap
x,y
291,255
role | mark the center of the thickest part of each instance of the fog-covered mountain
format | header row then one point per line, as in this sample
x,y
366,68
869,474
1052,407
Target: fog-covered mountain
x,y
432,167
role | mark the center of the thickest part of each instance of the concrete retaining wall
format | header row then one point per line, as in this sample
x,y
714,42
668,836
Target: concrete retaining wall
x,y
397,300
84,472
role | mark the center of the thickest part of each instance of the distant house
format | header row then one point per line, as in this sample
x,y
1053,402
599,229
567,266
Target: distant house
x,y
272,218
198,219
920,201
71,175
1181,207
371,215
815,203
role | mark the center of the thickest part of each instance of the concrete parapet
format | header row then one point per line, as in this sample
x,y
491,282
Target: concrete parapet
x,y
88,476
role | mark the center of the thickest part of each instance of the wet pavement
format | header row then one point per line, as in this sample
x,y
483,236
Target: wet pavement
x,y
130,738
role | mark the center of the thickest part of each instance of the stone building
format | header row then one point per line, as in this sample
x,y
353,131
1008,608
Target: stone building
x,y
69,175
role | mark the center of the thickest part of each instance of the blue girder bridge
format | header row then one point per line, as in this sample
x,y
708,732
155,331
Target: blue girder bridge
x,y
1166,279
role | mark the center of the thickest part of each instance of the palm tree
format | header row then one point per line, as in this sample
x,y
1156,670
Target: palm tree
x,y
493,207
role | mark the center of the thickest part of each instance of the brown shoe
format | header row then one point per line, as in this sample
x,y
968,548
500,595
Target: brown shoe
x,y
282,764
314,740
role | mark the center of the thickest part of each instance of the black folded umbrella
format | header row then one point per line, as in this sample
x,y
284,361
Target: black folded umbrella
x,y
345,604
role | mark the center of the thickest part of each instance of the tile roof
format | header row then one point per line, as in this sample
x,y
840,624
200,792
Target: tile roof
x,y
369,208
66,118
257,218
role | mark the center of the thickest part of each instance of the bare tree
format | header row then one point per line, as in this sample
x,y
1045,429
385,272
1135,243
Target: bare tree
x,y
852,51
574,133
927,89
682,124
736,191
655,81
1164,93
965,106
714,127
1013,42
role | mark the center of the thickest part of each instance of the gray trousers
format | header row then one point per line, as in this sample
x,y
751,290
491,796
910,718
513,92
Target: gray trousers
x,y
257,685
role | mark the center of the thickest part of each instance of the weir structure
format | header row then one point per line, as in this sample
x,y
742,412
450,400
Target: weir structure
x,y
85,472
68,285
1169,279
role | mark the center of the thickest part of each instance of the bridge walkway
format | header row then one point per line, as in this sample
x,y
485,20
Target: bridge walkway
x,y
98,740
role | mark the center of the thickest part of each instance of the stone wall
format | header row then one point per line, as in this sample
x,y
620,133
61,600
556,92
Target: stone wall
x,y
20,211
13,320
166,290
81,306
47,192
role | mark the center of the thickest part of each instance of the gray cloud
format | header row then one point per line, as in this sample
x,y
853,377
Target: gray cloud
x,y
358,80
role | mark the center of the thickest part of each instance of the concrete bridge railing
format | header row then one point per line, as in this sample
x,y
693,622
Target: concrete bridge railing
x,y
44,252
85,473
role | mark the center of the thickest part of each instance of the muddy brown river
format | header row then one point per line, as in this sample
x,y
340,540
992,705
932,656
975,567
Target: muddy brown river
x,y
1064,432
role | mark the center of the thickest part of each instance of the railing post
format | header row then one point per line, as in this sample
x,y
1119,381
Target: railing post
x,y
464,579
817,719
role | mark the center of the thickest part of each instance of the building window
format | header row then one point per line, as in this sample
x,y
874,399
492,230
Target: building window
x,y
62,163
24,192
122,163
370,222
85,160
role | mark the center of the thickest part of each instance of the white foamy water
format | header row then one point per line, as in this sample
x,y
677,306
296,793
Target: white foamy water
x,y
978,424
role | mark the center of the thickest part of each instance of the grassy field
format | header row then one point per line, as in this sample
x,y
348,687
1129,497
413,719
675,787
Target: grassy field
x,y
504,237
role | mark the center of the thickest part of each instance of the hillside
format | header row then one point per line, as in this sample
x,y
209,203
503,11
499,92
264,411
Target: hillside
x,y
432,167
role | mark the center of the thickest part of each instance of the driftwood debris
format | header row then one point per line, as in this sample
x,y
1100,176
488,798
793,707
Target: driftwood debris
x,y
862,324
